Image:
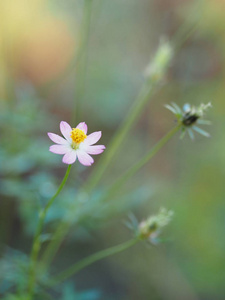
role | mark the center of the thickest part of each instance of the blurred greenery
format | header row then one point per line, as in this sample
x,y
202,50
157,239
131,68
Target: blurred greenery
x,y
39,79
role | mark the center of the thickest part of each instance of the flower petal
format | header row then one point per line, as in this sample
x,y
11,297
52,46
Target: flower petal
x,y
66,130
70,157
84,158
95,149
57,139
191,134
93,137
59,149
201,131
83,126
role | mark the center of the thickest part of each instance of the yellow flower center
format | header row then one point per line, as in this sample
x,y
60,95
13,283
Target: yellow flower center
x,y
77,136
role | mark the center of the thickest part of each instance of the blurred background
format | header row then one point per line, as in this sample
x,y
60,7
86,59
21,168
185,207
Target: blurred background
x,y
50,72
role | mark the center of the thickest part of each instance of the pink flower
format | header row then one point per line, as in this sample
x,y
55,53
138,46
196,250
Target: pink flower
x,y
76,144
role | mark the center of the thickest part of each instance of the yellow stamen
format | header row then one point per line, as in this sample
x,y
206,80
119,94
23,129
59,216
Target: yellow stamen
x,y
77,136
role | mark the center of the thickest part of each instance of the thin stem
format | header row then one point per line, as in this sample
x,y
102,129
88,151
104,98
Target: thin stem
x,y
132,116
92,259
54,244
78,56
185,31
83,55
37,242
113,189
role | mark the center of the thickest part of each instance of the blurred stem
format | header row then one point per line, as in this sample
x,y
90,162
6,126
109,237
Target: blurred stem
x,y
37,241
137,166
92,259
185,31
82,58
79,58
132,116
183,34
54,244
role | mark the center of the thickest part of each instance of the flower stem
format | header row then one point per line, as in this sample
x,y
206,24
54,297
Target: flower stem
x,y
137,166
37,242
53,246
46,88
92,259
83,55
189,26
132,116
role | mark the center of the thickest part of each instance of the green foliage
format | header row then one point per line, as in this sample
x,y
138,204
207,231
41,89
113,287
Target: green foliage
x,y
14,270
69,293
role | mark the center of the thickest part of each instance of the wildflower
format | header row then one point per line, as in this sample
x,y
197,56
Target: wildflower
x,y
189,116
76,144
151,228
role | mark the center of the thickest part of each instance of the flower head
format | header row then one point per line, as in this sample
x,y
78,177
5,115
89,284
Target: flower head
x,y
151,228
189,116
76,144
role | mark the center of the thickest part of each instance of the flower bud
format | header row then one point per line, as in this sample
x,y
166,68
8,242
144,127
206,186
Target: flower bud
x,y
158,66
151,228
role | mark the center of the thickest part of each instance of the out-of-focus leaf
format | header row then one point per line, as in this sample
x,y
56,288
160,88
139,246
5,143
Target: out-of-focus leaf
x,y
70,293
14,270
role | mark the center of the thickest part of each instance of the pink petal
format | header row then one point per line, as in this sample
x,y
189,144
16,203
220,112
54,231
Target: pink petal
x,y
95,149
70,157
84,158
57,139
83,126
66,130
93,137
59,149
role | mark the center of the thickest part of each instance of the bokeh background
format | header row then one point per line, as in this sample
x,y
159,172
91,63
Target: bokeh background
x,y
44,79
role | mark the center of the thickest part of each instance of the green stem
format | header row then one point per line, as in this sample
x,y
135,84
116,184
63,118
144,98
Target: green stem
x,y
78,56
82,55
186,30
54,244
139,164
132,116
92,259
37,242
